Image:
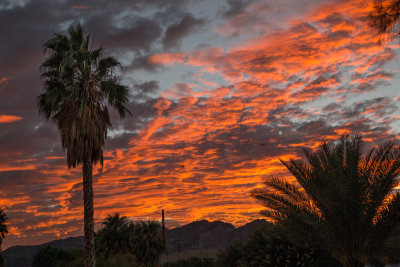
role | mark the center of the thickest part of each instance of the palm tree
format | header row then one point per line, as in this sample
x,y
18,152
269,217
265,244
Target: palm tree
x,y
148,243
3,232
114,236
343,200
78,84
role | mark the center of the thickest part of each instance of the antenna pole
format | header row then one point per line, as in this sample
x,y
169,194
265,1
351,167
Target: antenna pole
x,y
163,230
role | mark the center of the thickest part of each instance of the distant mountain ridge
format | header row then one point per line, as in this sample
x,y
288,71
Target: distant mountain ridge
x,y
208,235
23,255
193,236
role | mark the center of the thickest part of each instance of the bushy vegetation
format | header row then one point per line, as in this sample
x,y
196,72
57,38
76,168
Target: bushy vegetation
x,y
192,262
50,256
270,246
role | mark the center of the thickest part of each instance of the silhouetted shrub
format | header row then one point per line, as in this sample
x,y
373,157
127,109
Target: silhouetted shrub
x,y
50,257
192,262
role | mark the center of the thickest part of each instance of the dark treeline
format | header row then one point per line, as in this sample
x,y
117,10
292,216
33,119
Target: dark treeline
x,y
120,242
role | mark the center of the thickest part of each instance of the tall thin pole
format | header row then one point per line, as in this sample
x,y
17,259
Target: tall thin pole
x,y
163,230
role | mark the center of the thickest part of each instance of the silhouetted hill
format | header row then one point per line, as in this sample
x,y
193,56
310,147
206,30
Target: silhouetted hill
x,y
23,255
193,236
208,235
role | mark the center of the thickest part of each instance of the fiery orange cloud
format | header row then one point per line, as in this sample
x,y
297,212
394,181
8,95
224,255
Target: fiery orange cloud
x,y
9,118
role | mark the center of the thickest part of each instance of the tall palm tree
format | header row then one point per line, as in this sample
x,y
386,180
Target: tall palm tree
x,y
78,84
343,199
3,232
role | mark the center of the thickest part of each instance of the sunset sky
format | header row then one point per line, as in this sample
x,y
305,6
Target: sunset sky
x,y
219,91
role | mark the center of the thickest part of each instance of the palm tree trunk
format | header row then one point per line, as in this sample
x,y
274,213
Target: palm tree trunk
x,y
88,214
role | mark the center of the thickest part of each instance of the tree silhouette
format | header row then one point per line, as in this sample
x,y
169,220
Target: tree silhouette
x,y
51,256
78,84
343,200
113,238
147,242
3,232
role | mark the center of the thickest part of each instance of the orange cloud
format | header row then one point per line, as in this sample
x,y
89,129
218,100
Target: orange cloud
x,y
9,118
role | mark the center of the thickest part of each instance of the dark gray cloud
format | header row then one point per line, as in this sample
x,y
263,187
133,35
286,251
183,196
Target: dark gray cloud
x,y
235,7
137,35
145,88
102,21
186,25
143,62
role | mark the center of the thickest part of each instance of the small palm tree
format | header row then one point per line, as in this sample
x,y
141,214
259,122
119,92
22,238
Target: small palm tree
x,y
78,84
114,236
343,200
147,242
3,232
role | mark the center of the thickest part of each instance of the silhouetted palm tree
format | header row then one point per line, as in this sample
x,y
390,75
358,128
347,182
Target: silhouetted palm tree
x,y
78,84
148,243
343,200
3,232
114,236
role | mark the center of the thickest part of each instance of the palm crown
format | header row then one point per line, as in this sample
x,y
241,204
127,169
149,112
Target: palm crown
x,y
78,85
114,236
342,199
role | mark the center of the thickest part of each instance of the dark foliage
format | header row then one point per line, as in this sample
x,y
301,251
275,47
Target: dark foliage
x,y
50,257
119,236
231,256
147,244
113,238
3,232
269,246
192,262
